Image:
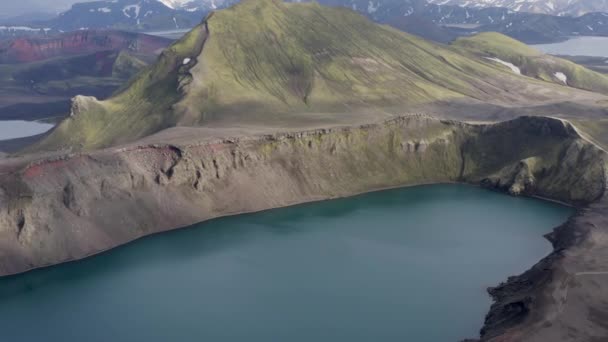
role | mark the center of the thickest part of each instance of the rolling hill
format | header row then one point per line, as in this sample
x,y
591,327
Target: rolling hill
x,y
267,59
532,62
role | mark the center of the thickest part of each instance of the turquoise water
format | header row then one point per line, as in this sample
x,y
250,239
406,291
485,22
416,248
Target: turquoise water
x,y
400,265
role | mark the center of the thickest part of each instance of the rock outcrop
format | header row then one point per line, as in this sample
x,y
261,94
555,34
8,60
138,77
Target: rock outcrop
x,y
66,207
72,206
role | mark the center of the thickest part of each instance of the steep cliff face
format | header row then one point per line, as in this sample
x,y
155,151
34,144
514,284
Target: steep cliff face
x,y
536,156
24,50
73,206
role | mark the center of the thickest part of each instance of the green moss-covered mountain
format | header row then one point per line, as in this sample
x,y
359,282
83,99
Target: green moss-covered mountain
x,y
264,59
532,62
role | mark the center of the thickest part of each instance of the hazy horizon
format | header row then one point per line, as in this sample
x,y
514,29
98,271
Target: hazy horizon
x,y
15,8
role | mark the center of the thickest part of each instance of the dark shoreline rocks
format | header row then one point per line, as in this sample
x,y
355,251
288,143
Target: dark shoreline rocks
x,y
514,299
547,302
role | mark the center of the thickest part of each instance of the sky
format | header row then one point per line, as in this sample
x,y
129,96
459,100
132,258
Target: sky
x,y
17,7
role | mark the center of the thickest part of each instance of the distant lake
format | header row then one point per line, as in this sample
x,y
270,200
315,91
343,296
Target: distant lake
x,y
12,129
172,34
408,264
577,46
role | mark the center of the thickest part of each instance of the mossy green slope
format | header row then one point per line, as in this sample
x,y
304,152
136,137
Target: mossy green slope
x,y
270,56
532,62
142,107
264,57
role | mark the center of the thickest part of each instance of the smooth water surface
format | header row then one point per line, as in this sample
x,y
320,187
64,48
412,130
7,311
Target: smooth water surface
x,y
171,34
12,129
577,46
399,265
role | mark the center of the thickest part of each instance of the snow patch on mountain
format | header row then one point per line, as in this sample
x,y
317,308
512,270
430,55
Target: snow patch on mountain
x,y
102,10
553,7
22,28
511,66
371,8
175,4
562,77
127,10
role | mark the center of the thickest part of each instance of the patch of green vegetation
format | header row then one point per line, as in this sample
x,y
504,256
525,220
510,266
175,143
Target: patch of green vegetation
x,y
265,58
127,65
532,62
539,154
78,85
594,130
273,57
496,45
142,107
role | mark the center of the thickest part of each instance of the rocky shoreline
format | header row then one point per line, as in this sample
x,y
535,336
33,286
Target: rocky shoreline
x,y
69,207
534,306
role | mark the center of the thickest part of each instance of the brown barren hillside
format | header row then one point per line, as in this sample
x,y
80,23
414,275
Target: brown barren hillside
x,y
32,49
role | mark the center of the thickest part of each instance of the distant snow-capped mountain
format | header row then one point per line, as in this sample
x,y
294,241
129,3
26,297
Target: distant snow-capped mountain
x,y
175,4
129,14
196,5
137,14
573,8
436,21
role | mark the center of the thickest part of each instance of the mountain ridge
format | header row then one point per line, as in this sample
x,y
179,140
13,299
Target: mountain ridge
x,y
125,14
438,21
32,49
287,82
254,61
573,8
39,75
